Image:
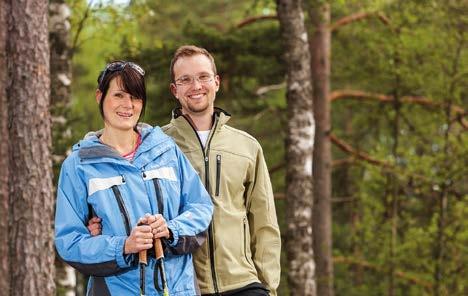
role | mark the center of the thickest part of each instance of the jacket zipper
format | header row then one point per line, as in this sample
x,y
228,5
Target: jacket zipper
x,y
218,173
207,187
123,210
244,220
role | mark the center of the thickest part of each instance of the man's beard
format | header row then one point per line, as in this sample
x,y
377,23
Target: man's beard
x,y
198,109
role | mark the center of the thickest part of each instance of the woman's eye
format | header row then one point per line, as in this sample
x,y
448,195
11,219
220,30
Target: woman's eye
x,y
119,95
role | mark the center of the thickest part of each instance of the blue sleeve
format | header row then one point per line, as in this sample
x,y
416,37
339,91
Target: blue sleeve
x,y
189,228
97,256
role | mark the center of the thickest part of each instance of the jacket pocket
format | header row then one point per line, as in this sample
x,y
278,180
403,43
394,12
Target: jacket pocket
x,y
246,241
218,173
159,196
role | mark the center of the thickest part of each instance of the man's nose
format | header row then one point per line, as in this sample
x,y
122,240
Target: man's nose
x,y
196,83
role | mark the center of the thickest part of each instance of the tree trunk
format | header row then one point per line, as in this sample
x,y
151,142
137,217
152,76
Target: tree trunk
x,y
319,13
60,63
4,262
300,141
60,94
31,198
392,180
440,247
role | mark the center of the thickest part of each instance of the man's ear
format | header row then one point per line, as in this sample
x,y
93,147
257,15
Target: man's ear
x,y
173,88
98,96
217,82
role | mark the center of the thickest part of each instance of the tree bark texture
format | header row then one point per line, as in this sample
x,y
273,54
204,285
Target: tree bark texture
x,y
4,258
300,142
60,95
31,198
60,63
319,12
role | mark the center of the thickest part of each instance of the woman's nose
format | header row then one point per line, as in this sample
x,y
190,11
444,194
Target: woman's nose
x,y
127,102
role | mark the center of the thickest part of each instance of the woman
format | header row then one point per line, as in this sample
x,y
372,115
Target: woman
x,y
141,186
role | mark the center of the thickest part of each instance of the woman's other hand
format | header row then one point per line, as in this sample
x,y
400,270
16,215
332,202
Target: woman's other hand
x,y
159,226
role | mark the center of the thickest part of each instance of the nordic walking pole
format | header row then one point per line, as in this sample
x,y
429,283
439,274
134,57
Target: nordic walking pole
x,y
143,260
160,264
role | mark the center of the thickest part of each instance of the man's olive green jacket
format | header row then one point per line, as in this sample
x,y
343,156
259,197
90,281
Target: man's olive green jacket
x,y
243,244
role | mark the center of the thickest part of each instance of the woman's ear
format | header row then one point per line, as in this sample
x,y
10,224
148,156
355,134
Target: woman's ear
x,y
98,96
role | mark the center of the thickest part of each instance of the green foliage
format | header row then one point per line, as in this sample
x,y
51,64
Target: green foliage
x,y
418,53
428,150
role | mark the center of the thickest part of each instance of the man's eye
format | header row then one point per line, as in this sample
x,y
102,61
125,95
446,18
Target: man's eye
x,y
185,80
119,95
204,77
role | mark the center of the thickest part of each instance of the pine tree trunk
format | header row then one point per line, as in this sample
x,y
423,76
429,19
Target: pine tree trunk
x,y
4,262
392,179
31,197
60,95
300,141
319,13
60,56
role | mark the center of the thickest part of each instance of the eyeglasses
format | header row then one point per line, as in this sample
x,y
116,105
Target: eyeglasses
x,y
188,79
119,66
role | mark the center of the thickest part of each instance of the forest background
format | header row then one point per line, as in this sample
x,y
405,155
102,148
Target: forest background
x,y
390,218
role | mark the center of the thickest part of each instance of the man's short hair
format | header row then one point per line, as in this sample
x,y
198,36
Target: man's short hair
x,y
189,51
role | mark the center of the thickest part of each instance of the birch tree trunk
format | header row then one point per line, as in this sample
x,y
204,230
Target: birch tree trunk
x,y
300,141
30,186
4,258
60,96
319,12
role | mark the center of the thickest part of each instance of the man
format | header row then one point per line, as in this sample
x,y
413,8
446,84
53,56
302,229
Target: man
x,y
242,252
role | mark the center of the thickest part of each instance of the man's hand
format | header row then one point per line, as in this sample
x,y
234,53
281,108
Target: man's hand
x,y
94,226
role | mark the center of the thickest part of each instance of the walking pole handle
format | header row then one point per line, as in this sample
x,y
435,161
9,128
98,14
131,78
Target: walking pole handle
x,y
143,257
158,249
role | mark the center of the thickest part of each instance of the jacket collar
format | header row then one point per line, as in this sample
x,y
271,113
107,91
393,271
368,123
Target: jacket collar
x,y
220,117
90,149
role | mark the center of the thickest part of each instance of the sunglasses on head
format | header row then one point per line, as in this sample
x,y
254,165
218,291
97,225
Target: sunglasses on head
x,y
119,66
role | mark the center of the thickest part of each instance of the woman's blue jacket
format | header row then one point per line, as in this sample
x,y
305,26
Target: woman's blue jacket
x,y
94,177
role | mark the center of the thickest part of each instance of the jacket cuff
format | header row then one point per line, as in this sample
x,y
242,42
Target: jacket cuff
x,y
122,259
175,233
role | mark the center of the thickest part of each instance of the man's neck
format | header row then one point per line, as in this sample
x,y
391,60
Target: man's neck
x,y
202,122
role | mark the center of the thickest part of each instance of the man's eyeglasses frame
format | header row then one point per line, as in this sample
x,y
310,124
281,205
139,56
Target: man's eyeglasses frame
x,y
189,79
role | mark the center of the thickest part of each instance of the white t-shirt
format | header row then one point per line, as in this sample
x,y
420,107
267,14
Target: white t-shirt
x,y
203,135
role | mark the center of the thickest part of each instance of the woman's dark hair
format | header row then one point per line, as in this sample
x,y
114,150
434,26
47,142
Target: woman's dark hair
x,y
131,80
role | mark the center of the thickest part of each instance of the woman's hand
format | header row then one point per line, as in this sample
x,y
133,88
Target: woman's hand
x,y
141,238
158,225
